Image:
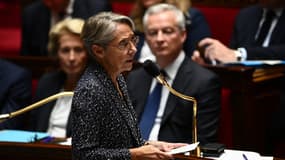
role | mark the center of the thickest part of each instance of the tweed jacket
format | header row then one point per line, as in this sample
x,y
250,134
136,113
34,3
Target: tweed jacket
x,y
104,124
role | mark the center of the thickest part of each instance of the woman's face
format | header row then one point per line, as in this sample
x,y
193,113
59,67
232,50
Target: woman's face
x,y
148,3
119,53
72,54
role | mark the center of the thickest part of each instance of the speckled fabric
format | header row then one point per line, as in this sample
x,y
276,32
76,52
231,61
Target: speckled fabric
x,y
104,125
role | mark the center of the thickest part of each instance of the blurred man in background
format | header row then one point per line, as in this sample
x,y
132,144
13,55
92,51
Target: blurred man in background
x,y
40,16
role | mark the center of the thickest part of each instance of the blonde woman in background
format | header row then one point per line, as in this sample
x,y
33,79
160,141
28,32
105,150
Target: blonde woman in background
x,y
196,26
67,47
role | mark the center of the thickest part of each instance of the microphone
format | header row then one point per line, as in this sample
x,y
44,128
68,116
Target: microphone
x,y
4,117
153,69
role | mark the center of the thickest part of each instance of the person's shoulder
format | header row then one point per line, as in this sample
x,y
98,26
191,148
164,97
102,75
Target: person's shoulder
x,y
196,16
136,72
195,11
136,75
105,5
91,78
249,10
51,76
92,84
34,7
200,71
8,67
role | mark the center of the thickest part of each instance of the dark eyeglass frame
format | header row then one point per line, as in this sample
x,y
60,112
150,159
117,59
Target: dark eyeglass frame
x,y
124,44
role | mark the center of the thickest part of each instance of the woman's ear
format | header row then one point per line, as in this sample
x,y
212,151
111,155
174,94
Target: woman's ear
x,y
98,51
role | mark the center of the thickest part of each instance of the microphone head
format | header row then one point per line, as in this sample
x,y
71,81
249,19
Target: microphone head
x,y
151,68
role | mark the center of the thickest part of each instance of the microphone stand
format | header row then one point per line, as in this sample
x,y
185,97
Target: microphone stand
x,y
160,78
4,117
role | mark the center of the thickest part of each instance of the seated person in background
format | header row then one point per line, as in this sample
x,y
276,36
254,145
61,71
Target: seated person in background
x,y
15,92
258,34
196,26
87,8
66,45
165,34
40,16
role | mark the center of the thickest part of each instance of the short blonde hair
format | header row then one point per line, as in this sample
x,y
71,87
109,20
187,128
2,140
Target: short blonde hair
x,y
69,25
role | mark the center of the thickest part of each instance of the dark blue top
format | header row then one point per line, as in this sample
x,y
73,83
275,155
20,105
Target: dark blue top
x,y
15,92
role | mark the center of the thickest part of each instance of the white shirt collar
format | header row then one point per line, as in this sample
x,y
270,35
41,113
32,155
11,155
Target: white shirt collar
x,y
278,11
172,68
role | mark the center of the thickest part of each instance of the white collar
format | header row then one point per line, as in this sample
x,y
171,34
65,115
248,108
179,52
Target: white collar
x,y
278,11
172,68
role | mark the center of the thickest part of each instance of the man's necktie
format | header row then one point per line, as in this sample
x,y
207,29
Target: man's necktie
x,y
265,27
150,111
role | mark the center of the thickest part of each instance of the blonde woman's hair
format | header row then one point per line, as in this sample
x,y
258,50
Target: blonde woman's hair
x,y
67,26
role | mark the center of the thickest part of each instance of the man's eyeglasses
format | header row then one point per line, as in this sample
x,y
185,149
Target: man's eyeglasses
x,y
125,43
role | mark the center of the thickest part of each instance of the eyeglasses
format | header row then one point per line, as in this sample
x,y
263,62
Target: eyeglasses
x,y
125,43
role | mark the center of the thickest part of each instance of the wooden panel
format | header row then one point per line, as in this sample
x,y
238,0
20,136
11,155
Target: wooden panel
x,y
34,151
254,98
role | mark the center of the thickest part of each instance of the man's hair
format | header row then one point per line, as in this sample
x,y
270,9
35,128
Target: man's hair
x,y
162,7
100,29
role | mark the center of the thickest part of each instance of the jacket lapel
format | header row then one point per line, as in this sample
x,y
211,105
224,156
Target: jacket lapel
x,y
143,91
127,110
255,25
276,37
179,84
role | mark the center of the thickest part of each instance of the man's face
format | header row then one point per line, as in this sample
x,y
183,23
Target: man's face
x,y
163,35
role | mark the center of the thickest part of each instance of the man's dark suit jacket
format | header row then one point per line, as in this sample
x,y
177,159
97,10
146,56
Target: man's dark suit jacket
x,y
104,124
176,125
245,28
36,23
15,92
49,84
